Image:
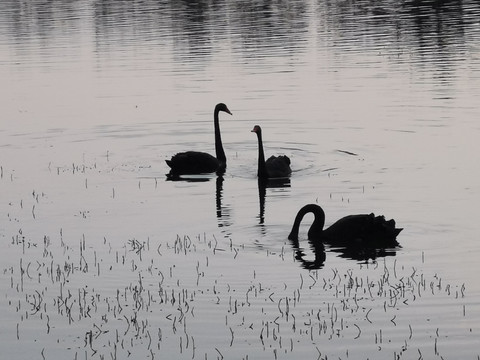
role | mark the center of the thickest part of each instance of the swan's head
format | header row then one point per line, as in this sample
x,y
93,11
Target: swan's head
x,y
222,107
257,129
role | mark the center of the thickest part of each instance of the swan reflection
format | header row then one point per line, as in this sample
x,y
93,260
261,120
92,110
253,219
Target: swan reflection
x,y
315,256
263,184
363,254
318,252
189,178
222,211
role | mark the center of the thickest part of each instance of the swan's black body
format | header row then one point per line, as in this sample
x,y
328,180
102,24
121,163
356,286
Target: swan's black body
x,y
196,162
275,166
362,231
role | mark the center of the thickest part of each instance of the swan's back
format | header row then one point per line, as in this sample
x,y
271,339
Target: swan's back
x,y
194,162
278,166
362,230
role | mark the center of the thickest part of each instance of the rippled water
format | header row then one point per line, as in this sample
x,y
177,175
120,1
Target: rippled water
x,y
376,104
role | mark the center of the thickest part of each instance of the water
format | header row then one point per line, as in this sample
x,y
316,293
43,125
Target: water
x,y
376,104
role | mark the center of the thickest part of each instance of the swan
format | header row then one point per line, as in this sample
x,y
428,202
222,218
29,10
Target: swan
x,y
359,231
196,162
275,166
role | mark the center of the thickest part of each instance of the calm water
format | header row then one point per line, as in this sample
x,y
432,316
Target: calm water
x,y
376,104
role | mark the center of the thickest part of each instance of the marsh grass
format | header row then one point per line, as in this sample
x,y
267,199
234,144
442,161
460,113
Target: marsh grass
x,y
201,298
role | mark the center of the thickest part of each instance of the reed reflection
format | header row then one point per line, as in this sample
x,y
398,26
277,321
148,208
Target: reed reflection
x,y
434,28
265,25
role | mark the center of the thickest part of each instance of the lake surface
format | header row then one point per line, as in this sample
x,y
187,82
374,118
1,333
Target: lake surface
x,y
375,103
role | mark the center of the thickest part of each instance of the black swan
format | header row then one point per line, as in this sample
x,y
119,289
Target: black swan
x,y
275,166
196,162
356,231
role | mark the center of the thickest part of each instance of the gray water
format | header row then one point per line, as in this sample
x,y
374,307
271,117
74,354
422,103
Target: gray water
x,y
375,103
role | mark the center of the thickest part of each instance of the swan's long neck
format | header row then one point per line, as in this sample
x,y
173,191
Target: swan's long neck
x,y
316,228
220,154
262,168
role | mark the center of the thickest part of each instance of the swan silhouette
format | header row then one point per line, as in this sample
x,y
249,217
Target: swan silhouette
x,y
353,231
196,162
275,166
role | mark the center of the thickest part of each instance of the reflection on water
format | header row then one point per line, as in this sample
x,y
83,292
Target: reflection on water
x,y
318,250
223,210
364,254
169,53
263,185
316,255
436,31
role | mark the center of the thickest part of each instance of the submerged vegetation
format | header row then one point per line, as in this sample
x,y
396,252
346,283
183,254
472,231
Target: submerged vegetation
x,y
94,299
71,293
